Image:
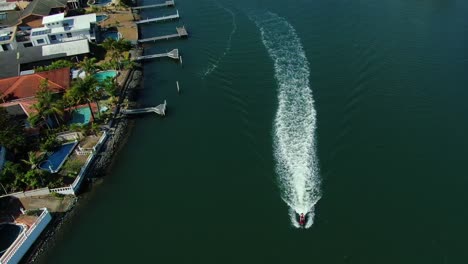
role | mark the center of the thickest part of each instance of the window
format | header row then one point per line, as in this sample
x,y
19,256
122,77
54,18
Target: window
x,y
53,37
40,41
27,45
69,35
3,16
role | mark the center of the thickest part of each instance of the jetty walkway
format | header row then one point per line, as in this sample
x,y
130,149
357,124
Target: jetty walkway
x,y
173,54
167,3
160,110
158,19
181,32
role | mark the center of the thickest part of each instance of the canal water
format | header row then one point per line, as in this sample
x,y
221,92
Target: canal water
x,y
351,111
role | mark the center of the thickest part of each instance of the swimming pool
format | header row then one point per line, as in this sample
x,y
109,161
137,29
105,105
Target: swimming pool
x,y
100,18
81,116
101,76
110,34
54,162
8,233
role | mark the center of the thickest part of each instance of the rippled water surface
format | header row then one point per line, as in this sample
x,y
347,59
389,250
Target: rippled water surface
x,y
356,109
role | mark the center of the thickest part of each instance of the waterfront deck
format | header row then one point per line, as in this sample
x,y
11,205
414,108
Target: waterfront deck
x,y
158,19
173,54
181,32
165,4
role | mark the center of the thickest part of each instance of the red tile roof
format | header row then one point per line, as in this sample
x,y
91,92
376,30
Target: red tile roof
x,y
26,86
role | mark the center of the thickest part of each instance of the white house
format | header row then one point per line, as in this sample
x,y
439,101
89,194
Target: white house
x,y
8,39
58,28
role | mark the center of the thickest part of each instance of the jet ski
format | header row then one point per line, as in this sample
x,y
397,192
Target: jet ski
x,y
302,220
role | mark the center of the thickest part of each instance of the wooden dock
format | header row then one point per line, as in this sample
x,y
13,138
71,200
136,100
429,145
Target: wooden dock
x,y
167,3
181,32
173,54
158,19
160,110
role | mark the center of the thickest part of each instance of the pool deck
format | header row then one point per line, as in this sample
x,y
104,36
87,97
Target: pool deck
x,y
126,24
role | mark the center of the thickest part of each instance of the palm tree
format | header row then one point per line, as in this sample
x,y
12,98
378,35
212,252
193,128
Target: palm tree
x,y
47,105
85,91
33,159
109,44
116,57
110,86
88,66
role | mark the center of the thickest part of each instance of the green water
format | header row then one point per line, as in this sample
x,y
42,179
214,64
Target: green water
x,y
200,185
101,76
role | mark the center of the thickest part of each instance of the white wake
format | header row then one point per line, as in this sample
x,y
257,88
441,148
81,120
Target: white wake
x,y
294,124
215,64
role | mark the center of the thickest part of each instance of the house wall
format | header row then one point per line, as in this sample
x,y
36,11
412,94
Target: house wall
x,y
36,40
61,37
70,36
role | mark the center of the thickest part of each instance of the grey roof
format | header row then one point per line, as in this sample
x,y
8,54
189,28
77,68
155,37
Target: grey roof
x,y
10,64
36,7
15,110
11,18
42,7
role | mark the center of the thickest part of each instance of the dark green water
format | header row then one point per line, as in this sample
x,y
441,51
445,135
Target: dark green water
x,y
390,83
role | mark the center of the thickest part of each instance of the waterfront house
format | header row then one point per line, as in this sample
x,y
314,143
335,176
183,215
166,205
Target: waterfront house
x,y
20,61
32,15
17,94
8,39
58,28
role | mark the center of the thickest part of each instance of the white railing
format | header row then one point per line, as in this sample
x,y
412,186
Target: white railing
x,y
76,184
71,189
63,190
19,243
83,152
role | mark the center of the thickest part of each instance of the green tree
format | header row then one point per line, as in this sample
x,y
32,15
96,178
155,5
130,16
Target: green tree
x,y
10,175
85,91
110,86
109,44
47,105
12,134
55,65
88,65
33,159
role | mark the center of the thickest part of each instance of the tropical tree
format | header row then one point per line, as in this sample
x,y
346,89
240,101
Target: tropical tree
x,y
110,86
116,57
88,65
55,65
33,159
10,176
109,44
85,91
12,134
47,105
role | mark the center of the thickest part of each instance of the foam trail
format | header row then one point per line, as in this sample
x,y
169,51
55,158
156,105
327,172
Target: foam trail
x,y
215,64
294,124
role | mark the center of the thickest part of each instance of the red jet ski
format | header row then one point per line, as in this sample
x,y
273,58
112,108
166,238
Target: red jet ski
x,y
302,220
